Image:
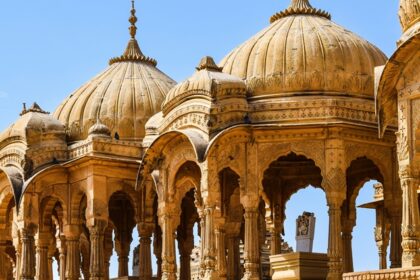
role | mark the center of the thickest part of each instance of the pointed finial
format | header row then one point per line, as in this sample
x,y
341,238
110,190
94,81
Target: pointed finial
x,y
133,20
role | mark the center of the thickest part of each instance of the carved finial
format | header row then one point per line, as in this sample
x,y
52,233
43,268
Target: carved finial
x,y
133,20
133,51
300,7
208,63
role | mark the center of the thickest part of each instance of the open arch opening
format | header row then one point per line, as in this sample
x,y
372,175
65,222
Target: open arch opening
x,y
365,190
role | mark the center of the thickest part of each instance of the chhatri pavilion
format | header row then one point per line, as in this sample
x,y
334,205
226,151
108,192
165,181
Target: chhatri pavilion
x,y
303,102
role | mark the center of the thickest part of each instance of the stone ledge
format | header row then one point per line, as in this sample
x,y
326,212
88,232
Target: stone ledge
x,y
396,273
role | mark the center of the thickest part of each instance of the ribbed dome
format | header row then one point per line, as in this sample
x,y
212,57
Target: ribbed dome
x,y
204,83
123,97
303,51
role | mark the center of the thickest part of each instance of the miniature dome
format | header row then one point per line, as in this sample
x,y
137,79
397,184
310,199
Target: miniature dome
x,y
123,97
303,51
205,83
32,124
99,129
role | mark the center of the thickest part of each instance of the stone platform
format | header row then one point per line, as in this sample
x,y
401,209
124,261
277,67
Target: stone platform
x,y
395,274
300,265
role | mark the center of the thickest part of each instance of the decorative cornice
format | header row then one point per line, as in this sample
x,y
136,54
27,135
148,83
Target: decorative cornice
x,y
300,7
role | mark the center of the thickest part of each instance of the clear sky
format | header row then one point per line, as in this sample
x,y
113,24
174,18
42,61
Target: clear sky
x,y
50,48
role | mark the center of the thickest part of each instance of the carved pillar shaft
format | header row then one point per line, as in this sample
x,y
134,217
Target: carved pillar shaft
x,y
396,249
97,256
42,266
18,261
221,252
347,251
251,249
185,267
145,259
157,250
73,258
123,265
209,245
334,242
62,260
233,258
410,223
168,248
28,255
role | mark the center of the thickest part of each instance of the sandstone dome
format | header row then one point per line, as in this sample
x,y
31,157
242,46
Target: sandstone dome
x,y
207,83
32,125
123,97
304,52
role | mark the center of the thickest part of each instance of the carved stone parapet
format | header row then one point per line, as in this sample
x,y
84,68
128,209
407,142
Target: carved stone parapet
x,y
395,274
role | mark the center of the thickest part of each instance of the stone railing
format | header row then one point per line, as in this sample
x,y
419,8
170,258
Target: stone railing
x,y
396,274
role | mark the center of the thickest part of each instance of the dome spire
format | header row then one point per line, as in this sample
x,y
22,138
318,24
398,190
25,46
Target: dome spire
x,y
133,51
133,20
300,7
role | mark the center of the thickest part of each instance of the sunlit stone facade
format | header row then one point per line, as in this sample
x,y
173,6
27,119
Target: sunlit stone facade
x,y
298,104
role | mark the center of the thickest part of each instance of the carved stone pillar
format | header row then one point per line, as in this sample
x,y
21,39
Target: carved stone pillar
x,y
97,256
396,249
168,247
346,237
28,254
251,249
61,245
122,247
42,266
221,251
209,245
73,256
233,271
18,260
410,222
334,241
185,246
109,246
157,251
145,259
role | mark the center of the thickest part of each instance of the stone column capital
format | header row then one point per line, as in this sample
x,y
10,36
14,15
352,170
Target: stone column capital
x,y
145,229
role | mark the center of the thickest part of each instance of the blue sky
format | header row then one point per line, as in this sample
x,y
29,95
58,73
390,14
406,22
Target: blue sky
x,y
50,48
